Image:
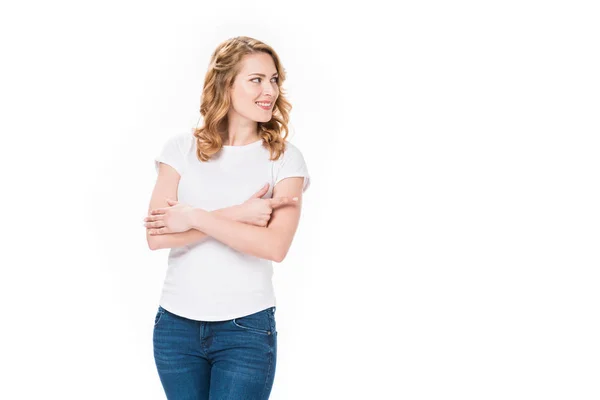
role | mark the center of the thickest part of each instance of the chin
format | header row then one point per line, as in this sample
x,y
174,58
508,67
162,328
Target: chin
x,y
264,119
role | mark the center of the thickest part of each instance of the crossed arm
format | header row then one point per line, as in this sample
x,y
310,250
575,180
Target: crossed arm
x,y
180,239
271,242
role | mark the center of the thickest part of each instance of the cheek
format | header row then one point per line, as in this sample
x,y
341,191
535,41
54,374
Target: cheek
x,y
243,103
250,89
244,96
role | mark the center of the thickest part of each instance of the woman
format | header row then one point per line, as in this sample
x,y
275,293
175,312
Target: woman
x,y
238,186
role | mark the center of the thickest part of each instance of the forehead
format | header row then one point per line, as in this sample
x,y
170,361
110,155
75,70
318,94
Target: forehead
x,y
258,62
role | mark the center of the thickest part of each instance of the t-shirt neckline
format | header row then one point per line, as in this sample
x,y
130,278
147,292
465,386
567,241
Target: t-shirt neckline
x,y
242,147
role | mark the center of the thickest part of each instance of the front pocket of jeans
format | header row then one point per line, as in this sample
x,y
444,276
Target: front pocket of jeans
x,y
259,323
159,315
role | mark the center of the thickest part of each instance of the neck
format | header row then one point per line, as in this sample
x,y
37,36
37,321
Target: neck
x,y
240,131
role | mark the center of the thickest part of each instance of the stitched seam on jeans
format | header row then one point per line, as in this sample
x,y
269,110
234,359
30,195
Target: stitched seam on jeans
x,y
162,312
272,322
249,329
271,355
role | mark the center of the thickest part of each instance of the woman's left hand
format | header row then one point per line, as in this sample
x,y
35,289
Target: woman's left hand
x,y
175,218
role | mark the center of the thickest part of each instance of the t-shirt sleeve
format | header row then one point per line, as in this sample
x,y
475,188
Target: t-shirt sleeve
x,y
172,154
293,164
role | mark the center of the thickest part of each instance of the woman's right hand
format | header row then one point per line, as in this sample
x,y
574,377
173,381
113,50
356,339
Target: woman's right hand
x,y
257,211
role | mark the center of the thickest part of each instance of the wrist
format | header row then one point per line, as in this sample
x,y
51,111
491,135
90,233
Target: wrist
x,y
231,212
197,217
235,213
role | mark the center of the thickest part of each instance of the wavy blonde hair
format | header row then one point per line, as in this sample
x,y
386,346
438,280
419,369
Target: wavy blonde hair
x,y
225,64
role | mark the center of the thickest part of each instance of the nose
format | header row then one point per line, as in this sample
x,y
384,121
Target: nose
x,y
268,90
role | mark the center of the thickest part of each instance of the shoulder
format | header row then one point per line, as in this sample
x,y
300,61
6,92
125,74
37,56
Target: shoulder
x,y
291,152
185,140
291,147
182,141
291,163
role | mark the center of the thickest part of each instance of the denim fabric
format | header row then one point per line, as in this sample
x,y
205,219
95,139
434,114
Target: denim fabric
x,y
216,360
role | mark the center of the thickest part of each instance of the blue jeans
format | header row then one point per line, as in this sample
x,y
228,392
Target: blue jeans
x,y
216,360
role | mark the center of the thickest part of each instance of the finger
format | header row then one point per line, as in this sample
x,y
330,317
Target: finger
x,y
280,201
262,191
261,222
158,231
158,211
156,224
277,201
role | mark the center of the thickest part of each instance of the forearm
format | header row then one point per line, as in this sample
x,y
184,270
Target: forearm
x,y
249,239
180,239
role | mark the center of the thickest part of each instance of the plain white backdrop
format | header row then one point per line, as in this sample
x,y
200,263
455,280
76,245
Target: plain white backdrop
x,y
449,242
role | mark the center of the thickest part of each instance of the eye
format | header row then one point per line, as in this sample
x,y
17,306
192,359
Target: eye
x,y
276,79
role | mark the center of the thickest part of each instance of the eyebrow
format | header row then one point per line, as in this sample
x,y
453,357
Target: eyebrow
x,y
263,75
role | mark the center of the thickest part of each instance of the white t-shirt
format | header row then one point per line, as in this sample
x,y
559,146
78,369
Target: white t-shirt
x,y
208,280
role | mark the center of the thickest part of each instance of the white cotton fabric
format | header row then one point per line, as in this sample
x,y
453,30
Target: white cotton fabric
x,y
208,280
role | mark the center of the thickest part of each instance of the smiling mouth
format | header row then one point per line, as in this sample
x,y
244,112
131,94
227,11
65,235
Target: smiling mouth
x,y
264,106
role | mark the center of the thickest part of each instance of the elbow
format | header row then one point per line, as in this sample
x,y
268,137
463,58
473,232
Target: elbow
x,y
279,250
279,255
153,244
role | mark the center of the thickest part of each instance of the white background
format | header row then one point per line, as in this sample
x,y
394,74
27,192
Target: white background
x,y
449,242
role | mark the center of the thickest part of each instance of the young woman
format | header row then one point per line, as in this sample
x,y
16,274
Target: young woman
x,y
227,203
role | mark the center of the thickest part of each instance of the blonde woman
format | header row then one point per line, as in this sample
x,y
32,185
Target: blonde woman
x,y
227,203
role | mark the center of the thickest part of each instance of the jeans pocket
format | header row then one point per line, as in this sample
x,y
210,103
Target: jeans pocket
x,y
159,314
259,322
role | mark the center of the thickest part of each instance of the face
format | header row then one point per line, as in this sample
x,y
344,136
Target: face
x,y
256,83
